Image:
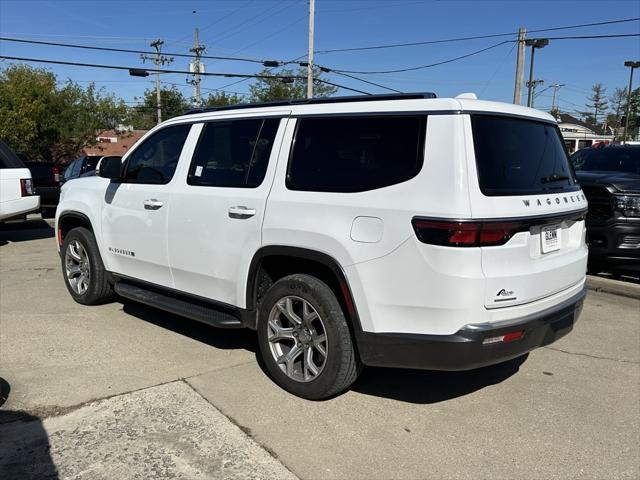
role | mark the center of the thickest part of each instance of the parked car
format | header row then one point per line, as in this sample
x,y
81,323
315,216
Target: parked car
x,y
82,166
394,230
17,194
610,178
46,180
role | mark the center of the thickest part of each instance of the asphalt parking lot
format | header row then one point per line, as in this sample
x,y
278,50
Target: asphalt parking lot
x,y
126,391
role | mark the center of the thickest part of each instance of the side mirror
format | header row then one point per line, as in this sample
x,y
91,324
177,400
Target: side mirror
x,y
110,167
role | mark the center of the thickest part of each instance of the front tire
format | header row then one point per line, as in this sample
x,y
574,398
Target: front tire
x,y
83,270
304,338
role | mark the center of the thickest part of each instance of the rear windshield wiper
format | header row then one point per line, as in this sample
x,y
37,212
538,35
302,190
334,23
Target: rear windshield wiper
x,y
556,177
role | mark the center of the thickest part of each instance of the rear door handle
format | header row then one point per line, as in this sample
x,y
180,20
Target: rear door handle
x,y
241,211
152,204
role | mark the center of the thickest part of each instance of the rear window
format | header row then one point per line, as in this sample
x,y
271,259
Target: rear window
x,y
608,159
520,157
356,153
8,159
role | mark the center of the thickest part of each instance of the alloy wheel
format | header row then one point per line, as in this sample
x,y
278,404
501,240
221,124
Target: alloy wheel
x,y
77,267
297,338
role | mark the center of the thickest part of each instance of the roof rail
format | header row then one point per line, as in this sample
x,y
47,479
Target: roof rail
x,y
313,101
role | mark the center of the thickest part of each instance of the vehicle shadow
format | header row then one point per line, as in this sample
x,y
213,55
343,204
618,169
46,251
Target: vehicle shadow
x,y
24,444
412,386
23,231
428,386
223,338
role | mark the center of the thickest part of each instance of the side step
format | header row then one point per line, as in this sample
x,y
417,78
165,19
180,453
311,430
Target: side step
x,y
177,306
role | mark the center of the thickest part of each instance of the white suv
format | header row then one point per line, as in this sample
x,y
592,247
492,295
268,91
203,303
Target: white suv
x,y
400,230
17,195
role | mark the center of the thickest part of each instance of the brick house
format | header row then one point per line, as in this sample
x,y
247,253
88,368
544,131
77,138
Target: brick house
x,y
114,142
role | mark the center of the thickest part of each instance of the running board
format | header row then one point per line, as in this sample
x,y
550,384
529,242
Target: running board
x,y
177,306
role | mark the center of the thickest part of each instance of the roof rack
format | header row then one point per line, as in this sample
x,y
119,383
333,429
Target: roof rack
x,y
313,101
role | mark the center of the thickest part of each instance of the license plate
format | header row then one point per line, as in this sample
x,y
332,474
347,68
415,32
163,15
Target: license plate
x,y
550,238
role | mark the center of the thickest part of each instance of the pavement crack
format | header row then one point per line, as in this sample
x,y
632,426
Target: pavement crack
x,y
591,356
246,430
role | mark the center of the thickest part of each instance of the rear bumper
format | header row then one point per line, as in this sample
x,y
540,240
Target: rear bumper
x,y
49,196
464,349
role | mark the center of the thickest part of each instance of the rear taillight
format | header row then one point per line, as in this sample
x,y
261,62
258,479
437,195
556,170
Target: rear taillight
x,y
56,174
26,187
465,234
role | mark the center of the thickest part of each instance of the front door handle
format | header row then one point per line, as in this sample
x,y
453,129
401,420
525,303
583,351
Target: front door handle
x,y
241,211
152,204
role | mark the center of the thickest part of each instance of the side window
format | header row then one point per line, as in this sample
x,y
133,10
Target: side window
x,y
156,159
73,170
233,153
355,154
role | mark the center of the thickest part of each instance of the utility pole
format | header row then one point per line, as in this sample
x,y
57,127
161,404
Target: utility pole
x,y
517,91
631,65
197,67
555,86
534,43
159,60
532,84
310,53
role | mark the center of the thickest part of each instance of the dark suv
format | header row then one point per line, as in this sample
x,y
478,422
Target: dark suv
x,y
610,178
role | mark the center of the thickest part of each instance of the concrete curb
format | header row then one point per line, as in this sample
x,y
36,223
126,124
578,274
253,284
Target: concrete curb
x,y
614,287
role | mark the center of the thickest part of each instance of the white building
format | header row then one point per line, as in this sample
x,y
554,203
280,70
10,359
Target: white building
x,y
578,134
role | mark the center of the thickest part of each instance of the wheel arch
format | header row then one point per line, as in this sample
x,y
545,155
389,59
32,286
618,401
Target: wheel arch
x,y
277,261
70,220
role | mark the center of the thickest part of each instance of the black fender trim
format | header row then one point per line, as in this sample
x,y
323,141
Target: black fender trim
x,y
306,254
71,214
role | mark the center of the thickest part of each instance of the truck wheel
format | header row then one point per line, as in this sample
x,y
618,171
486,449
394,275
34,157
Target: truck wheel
x,y
48,212
304,338
83,270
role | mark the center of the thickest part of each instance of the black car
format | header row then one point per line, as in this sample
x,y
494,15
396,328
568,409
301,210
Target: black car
x,y
610,179
46,180
85,165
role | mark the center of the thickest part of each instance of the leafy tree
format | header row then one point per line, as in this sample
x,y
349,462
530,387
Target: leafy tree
x,y
144,115
221,99
597,104
270,89
48,122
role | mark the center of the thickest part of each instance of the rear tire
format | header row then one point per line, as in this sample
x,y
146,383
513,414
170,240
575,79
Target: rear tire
x,y
299,319
83,270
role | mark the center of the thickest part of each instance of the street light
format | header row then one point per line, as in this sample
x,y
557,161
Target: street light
x,y
533,43
632,65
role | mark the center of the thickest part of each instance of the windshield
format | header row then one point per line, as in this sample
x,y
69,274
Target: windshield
x,y
608,159
517,156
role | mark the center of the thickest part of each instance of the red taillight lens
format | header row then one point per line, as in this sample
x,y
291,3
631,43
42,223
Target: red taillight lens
x,y
56,174
506,338
465,234
26,187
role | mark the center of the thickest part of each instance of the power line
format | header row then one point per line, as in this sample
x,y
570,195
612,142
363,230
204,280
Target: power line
x,y
126,50
477,37
429,65
325,69
582,37
208,74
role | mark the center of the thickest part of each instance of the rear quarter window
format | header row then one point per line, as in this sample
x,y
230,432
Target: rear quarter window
x,y
520,157
356,153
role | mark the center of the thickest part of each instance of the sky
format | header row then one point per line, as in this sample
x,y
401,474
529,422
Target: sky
x,y
277,29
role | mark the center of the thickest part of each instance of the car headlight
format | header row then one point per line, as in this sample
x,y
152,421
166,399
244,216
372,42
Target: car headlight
x,y
629,205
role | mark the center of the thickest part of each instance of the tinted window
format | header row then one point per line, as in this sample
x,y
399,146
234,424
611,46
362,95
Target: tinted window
x,y
608,159
156,159
8,159
520,157
73,170
233,153
90,163
354,154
